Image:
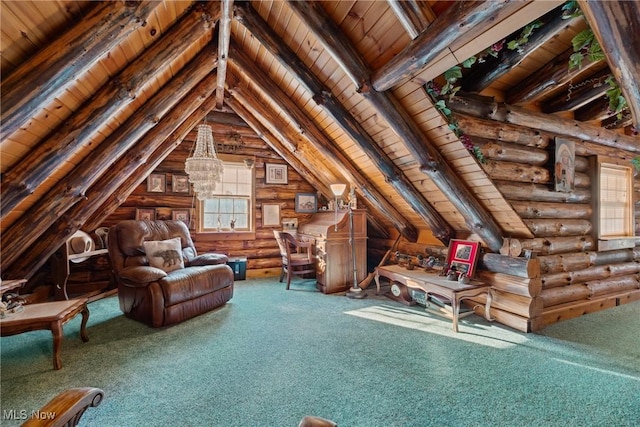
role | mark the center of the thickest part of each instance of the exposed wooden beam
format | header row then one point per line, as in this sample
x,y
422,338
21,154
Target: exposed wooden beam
x,y
38,164
482,75
616,25
118,196
38,81
414,15
312,133
224,35
137,162
430,161
545,80
66,193
462,17
595,110
484,107
579,94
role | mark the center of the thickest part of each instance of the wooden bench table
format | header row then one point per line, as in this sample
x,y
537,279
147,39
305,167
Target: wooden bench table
x,y
433,284
47,315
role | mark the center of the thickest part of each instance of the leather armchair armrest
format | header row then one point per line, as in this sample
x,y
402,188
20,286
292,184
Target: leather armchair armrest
x,y
208,259
141,274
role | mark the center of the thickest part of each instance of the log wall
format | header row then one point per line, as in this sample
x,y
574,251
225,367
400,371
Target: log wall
x,y
262,253
574,277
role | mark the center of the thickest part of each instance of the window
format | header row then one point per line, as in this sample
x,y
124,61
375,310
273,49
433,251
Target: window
x,y
232,205
615,214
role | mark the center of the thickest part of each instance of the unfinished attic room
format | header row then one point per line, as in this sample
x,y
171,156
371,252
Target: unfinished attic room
x,y
320,213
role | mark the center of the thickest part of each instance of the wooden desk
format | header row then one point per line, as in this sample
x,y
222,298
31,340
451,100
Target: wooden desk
x,y
433,284
47,315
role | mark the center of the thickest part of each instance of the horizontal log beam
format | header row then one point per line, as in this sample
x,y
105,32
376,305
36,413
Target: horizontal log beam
x,y
579,94
520,267
540,193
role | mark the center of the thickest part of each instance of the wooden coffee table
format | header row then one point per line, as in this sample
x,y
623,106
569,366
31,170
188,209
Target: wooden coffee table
x,y
47,315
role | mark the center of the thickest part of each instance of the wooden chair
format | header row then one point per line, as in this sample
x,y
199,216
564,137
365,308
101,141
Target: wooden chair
x,y
66,409
297,258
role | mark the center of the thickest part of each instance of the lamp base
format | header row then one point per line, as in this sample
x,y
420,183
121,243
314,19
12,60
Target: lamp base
x,y
355,293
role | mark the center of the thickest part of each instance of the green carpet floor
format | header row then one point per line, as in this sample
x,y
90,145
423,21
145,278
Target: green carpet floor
x,y
271,356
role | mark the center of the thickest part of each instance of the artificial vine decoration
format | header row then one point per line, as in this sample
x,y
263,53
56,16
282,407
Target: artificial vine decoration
x,y
636,163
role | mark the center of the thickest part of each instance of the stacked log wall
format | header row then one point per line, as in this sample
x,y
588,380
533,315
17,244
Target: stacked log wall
x,y
575,277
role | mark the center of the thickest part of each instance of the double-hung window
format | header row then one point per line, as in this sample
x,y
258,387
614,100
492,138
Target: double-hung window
x,y
231,207
615,213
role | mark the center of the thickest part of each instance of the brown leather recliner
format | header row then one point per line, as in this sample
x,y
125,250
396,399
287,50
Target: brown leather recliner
x,y
152,296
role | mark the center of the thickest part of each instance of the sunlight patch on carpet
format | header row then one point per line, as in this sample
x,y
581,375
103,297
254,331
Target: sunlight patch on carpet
x,y
604,371
487,335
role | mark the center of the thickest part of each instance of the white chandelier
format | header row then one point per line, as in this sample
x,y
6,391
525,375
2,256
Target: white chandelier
x,y
204,167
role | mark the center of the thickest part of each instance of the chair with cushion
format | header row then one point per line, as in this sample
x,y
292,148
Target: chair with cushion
x,y
161,278
297,257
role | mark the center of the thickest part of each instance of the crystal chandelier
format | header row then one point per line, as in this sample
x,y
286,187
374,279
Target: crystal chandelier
x,y
204,167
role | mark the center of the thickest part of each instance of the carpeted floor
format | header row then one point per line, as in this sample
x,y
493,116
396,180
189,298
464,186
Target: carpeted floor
x,y
271,356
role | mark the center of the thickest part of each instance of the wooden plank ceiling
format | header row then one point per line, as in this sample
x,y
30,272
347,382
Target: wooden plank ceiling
x,y
420,180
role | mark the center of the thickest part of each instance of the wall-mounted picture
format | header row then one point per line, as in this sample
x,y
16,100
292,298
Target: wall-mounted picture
x,y
156,183
275,174
180,184
565,165
463,255
181,215
270,215
145,214
306,203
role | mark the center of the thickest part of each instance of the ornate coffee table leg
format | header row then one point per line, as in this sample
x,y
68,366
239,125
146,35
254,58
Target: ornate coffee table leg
x,y
56,331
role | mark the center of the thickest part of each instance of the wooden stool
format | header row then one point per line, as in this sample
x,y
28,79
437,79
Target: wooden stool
x,y
47,315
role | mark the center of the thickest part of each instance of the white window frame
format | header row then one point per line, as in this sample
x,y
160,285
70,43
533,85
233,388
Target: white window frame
x,y
615,213
235,162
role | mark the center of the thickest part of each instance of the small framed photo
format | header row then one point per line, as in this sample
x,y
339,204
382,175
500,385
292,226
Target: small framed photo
x,y
156,183
463,255
275,174
145,214
270,215
180,184
181,215
306,203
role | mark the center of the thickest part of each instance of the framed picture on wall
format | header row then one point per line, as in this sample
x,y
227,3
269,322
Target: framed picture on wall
x,y
564,165
180,184
275,174
306,203
181,215
145,214
156,183
270,215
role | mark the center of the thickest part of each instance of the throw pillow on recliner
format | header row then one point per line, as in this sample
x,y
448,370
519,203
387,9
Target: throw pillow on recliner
x,y
165,254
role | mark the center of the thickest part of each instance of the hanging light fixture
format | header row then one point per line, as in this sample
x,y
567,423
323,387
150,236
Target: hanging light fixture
x,y
203,167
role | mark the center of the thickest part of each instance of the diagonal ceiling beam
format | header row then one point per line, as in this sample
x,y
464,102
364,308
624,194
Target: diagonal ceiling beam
x,y
45,75
461,18
224,35
312,133
431,162
148,151
71,190
413,15
39,163
616,25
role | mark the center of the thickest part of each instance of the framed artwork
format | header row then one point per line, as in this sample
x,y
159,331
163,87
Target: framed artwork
x,y
181,215
463,255
156,183
180,184
145,214
270,214
275,174
306,202
565,165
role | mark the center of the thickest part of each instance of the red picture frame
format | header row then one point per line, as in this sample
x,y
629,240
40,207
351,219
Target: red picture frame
x,y
463,255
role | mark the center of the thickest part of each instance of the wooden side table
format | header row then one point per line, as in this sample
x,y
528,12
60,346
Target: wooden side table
x,y
47,315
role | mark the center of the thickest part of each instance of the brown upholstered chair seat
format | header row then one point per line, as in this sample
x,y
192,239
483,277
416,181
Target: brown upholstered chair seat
x,y
157,297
